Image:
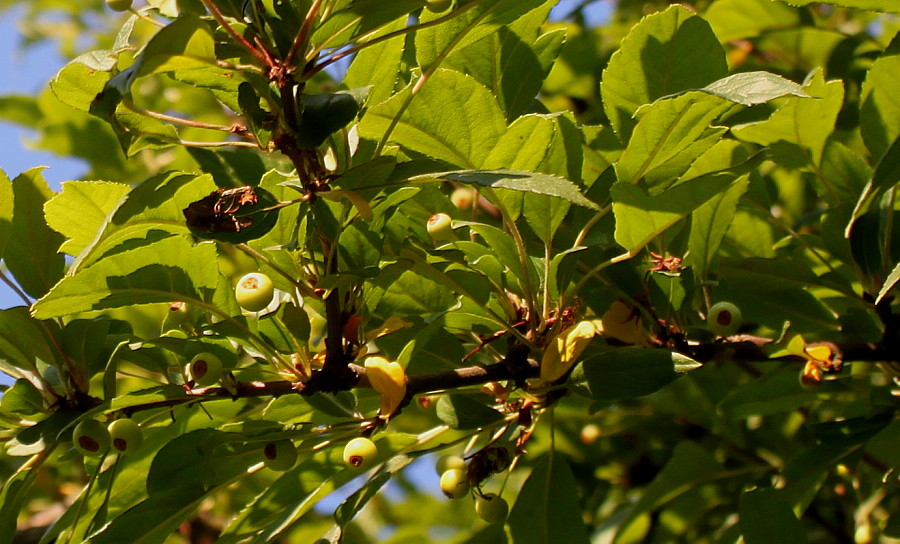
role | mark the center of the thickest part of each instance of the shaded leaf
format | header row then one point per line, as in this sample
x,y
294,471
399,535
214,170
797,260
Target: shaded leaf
x,y
145,271
32,249
625,373
547,509
665,53
766,518
465,412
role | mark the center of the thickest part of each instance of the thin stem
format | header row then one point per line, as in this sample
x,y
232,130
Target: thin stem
x,y
147,18
12,285
590,224
303,34
523,260
240,39
545,314
233,129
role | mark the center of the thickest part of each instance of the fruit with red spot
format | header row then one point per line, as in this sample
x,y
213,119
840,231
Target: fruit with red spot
x,y
91,438
438,227
360,453
454,483
447,462
254,291
492,508
179,312
205,369
280,455
125,435
724,319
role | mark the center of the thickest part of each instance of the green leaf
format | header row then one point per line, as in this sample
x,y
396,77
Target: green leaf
x,y
80,210
453,118
766,518
514,180
105,60
379,65
671,132
775,392
689,467
751,88
282,505
21,110
547,509
159,394
77,85
879,112
153,206
358,19
513,61
185,44
322,114
626,373
885,176
465,412
641,218
143,271
469,26
32,249
13,496
741,19
23,398
871,5
665,53
710,222
7,210
889,283
801,126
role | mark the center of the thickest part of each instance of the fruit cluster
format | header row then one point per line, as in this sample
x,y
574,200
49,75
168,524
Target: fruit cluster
x,y
455,483
93,439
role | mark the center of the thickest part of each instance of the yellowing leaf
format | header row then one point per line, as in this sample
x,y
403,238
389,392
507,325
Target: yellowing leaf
x,y
820,352
389,379
564,350
622,323
390,325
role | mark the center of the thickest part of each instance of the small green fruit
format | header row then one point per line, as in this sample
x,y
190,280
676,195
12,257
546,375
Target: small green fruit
x,y
91,438
280,455
437,6
462,198
724,319
205,369
126,435
179,312
454,483
360,453
447,462
254,291
119,5
438,227
492,508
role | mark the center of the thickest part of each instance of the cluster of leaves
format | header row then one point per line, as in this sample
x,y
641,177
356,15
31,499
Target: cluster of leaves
x,y
743,151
